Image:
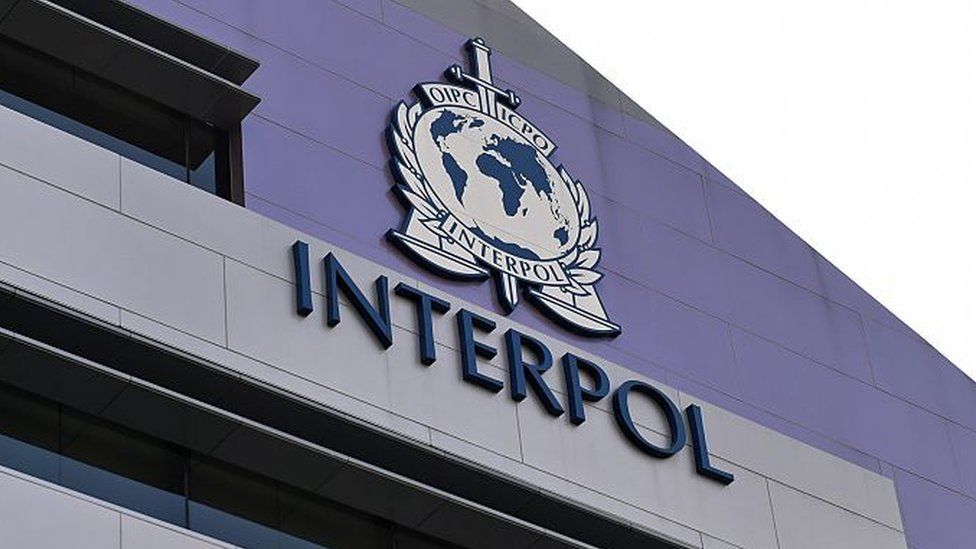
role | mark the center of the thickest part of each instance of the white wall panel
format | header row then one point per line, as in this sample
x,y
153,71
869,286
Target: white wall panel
x,y
805,522
436,396
596,455
30,283
712,543
59,158
783,459
141,534
262,324
568,490
37,516
254,369
209,221
98,252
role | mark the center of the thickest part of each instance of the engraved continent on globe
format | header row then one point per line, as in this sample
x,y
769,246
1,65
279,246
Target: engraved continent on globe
x,y
496,183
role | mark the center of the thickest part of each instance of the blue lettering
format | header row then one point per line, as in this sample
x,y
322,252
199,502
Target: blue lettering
x,y
522,373
426,305
576,394
471,349
702,463
621,412
376,318
303,278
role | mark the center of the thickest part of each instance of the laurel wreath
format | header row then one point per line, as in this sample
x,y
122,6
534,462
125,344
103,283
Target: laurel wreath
x,y
413,187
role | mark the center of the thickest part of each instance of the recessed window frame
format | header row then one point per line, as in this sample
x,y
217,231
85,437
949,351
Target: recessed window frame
x,y
136,55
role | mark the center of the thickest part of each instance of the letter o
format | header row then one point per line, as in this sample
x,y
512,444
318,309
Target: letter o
x,y
437,94
621,412
540,142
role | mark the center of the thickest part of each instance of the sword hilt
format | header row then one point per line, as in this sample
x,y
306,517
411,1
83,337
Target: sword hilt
x,y
456,74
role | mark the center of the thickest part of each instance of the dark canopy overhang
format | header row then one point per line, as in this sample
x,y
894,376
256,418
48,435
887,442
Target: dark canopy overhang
x,y
138,52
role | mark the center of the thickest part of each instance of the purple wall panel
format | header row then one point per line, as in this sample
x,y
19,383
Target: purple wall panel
x,y
662,142
715,175
670,333
959,395
542,87
287,85
336,38
754,321
934,517
683,267
745,229
964,443
372,8
285,168
805,322
840,288
844,408
652,185
908,367
422,29
618,222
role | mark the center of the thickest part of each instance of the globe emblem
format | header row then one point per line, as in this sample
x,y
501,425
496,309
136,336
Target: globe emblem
x,y
484,200
496,183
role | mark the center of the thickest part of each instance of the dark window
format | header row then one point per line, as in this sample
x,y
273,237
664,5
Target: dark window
x,y
29,435
229,504
128,468
117,119
308,517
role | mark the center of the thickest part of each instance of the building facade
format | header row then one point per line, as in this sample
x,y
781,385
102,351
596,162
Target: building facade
x,y
410,274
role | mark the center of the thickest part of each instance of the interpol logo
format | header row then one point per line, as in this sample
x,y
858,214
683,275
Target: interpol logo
x,y
483,197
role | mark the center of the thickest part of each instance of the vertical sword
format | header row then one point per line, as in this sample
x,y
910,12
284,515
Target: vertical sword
x,y
489,95
488,92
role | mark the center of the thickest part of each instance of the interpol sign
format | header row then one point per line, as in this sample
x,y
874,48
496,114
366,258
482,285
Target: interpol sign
x,y
483,197
528,359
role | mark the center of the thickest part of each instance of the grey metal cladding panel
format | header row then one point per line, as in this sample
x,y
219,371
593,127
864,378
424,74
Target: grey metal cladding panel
x,y
575,522
473,529
166,37
380,497
276,458
142,534
508,9
162,417
5,6
154,76
520,38
41,373
28,22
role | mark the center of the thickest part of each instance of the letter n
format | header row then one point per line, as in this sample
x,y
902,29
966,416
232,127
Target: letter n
x,y
377,318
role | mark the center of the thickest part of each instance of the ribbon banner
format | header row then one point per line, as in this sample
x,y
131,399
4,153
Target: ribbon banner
x,y
545,273
440,95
